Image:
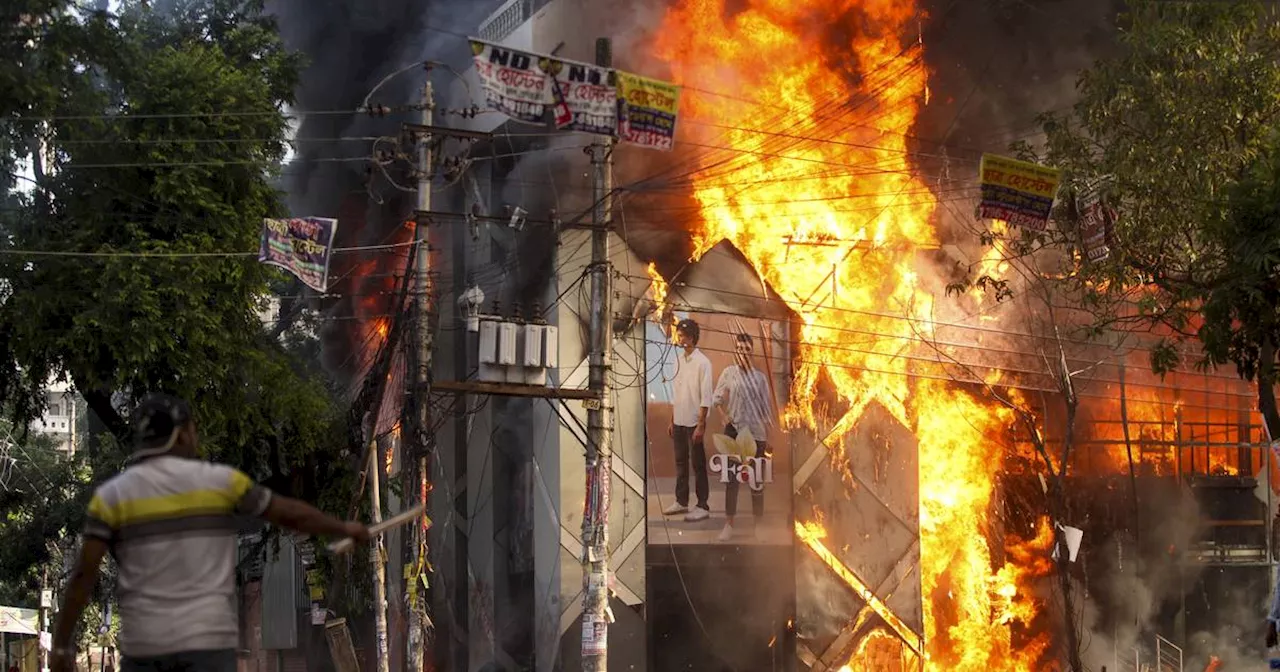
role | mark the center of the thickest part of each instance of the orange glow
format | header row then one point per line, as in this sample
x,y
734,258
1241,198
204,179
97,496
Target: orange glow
x,y
816,190
665,316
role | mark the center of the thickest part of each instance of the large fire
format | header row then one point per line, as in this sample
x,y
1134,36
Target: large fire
x,y
808,176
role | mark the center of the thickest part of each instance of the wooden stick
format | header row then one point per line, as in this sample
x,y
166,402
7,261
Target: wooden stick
x,y
344,545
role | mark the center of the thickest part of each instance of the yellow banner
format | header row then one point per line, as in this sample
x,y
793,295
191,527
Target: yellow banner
x,y
1031,178
649,110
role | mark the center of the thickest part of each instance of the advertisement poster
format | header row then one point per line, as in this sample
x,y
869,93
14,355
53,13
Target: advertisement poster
x,y
586,96
514,82
302,246
595,632
19,621
1095,224
647,110
1017,192
732,484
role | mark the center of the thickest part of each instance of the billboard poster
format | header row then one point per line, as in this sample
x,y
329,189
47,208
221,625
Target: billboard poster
x,y
1095,223
514,81
586,96
1017,192
301,245
647,110
719,460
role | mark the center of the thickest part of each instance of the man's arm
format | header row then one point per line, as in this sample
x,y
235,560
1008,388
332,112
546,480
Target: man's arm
x,y
704,399
254,500
706,389
300,516
721,394
79,591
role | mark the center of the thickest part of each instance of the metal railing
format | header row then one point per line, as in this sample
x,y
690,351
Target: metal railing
x,y
505,21
1168,656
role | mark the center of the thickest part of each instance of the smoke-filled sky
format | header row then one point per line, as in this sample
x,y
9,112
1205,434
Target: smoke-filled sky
x,y
994,66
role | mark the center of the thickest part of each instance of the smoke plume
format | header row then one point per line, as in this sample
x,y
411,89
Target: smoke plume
x,y
350,49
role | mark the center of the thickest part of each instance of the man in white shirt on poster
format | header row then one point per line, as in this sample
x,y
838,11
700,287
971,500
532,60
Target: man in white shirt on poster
x,y
689,423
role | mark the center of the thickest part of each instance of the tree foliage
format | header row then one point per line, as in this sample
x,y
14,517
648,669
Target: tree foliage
x,y
1181,127
154,137
41,498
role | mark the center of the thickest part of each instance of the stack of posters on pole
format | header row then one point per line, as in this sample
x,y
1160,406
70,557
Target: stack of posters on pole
x,y
1017,192
303,246
581,97
1095,223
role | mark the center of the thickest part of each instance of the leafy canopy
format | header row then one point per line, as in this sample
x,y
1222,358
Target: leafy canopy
x,y
1182,126
160,141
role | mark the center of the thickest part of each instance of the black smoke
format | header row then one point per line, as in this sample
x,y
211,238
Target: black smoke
x,y
351,47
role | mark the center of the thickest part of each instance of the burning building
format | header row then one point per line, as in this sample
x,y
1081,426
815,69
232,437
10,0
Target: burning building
x,y
907,525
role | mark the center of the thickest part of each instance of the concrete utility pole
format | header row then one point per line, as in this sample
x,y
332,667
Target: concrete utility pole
x,y
595,524
46,604
376,550
422,438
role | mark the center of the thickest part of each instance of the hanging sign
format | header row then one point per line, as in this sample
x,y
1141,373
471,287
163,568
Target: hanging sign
x,y
514,82
302,246
647,110
585,96
1095,223
19,621
1017,192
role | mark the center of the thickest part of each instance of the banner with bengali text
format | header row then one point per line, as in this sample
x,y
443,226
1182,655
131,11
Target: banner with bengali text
x,y
585,96
647,111
515,83
1017,192
303,246
1096,221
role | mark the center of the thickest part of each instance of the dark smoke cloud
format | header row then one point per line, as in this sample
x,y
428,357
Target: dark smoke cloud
x,y
996,65
350,47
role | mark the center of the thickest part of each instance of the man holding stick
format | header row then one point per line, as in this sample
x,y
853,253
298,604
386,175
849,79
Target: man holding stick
x,y
169,522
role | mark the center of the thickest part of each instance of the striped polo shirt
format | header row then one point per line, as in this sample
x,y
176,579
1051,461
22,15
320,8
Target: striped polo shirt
x,y
170,524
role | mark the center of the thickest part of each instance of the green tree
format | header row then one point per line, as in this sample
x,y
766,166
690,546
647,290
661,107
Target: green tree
x,y
41,500
159,147
1181,126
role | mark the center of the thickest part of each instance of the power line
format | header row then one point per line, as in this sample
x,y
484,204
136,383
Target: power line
x,y
178,255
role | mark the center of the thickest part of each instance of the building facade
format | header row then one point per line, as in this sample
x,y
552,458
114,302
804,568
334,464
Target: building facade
x,y
61,418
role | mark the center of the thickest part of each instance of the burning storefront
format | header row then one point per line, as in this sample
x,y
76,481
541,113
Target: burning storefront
x,y
907,525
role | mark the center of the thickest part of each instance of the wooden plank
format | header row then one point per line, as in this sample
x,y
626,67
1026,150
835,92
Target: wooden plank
x,y
509,390
340,646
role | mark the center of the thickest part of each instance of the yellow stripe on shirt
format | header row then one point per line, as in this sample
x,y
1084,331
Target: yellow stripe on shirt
x,y
240,485
180,505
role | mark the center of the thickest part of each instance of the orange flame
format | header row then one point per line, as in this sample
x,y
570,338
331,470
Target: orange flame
x,y
808,176
663,312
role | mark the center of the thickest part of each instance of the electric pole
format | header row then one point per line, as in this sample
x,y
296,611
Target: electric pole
x,y
422,437
595,524
376,549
